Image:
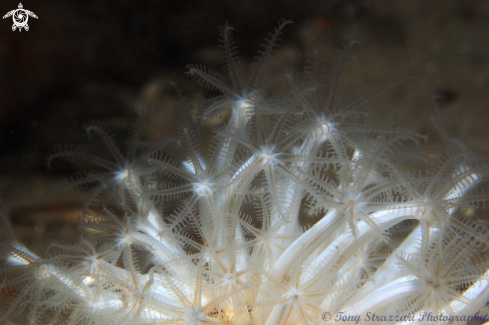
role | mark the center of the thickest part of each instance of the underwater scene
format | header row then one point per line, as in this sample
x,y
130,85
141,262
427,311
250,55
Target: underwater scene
x,y
244,162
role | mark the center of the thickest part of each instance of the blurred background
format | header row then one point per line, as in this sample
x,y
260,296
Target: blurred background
x,y
99,60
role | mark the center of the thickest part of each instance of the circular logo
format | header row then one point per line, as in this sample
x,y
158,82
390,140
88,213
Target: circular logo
x,y
20,18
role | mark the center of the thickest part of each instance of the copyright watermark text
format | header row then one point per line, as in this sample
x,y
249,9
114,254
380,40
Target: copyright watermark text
x,y
421,317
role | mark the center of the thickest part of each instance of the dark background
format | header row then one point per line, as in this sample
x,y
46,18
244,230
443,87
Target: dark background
x,y
106,60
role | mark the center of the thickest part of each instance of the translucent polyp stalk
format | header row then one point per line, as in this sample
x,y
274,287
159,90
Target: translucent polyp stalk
x,y
324,231
152,225
399,288
324,228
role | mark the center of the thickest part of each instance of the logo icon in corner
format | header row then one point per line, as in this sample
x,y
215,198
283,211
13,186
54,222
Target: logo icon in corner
x,y
20,17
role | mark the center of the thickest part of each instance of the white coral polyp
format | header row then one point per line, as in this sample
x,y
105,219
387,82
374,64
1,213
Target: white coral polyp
x,y
267,157
286,220
204,187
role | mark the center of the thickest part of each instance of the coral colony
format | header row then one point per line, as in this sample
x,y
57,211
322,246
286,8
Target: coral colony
x,y
219,237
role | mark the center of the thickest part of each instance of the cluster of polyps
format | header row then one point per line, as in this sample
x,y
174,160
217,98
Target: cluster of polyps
x,y
220,238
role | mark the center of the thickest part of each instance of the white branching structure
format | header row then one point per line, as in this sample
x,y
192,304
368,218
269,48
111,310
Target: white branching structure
x,y
300,209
